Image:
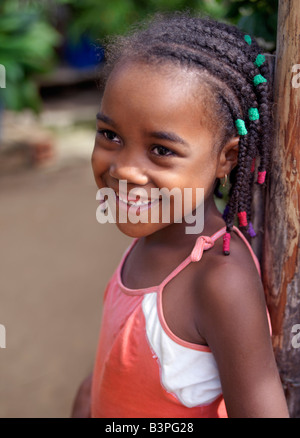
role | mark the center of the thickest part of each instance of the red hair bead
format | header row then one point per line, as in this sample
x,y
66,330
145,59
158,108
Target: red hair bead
x,y
226,243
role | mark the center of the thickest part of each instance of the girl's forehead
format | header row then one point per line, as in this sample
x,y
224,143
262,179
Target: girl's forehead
x,y
156,75
168,83
159,90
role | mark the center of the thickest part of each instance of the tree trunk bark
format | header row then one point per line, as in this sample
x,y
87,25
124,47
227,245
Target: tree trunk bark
x,y
280,252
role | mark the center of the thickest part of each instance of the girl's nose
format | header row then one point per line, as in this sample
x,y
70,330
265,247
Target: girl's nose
x,y
128,166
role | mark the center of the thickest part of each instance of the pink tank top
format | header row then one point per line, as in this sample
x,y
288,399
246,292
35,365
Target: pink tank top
x,y
142,369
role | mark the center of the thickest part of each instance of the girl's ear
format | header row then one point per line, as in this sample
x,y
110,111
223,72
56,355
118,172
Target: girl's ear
x,y
228,157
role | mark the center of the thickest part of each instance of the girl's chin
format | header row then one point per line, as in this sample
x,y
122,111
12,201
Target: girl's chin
x,y
139,230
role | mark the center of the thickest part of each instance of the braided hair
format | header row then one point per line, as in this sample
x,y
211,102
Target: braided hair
x,y
230,63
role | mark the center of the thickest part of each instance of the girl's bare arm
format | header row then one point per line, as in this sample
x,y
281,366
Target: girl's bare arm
x,y
234,323
82,402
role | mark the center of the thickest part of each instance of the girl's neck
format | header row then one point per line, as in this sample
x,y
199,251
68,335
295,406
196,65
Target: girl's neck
x,y
175,234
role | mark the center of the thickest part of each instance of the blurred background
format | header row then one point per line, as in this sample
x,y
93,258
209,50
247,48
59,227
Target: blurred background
x,y
55,259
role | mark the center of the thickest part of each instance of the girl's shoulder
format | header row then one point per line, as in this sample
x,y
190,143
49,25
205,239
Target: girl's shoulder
x,y
230,275
228,290
213,293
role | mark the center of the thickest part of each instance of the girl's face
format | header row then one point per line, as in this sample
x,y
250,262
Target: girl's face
x,y
152,133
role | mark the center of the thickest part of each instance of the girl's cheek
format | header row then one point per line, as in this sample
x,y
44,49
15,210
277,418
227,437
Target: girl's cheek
x,y
99,161
98,171
95,164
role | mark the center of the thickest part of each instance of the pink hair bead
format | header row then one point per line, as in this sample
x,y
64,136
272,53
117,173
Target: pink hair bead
x,y
261,177
242,215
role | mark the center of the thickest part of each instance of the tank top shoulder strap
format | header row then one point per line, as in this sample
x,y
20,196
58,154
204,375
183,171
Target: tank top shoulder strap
x,y
203,243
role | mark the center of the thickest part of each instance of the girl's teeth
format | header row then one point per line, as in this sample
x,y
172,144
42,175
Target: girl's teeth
x,y
135,203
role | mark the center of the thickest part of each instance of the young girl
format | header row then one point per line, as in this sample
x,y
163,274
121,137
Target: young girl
x,y
184,331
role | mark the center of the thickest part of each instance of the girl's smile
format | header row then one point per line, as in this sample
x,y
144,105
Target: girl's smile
x,y
151,132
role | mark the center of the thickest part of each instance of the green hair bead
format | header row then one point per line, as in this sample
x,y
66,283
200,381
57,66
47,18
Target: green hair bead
x,y
240,124
259,79
248,39
253,114
260,59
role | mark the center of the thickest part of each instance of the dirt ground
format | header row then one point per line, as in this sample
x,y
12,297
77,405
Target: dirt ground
x,y
54,264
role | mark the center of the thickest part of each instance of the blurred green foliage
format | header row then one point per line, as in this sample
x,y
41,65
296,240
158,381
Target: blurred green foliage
x,y
29,36
256,17
27,43
101,18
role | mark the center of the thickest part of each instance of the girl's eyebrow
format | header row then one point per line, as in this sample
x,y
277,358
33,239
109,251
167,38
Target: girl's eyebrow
x,y
105,119
169,136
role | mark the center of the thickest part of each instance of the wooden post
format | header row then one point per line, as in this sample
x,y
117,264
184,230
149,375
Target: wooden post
x,y
281,255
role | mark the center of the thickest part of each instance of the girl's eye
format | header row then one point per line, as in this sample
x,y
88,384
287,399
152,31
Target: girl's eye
x,y
162,151
109,135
